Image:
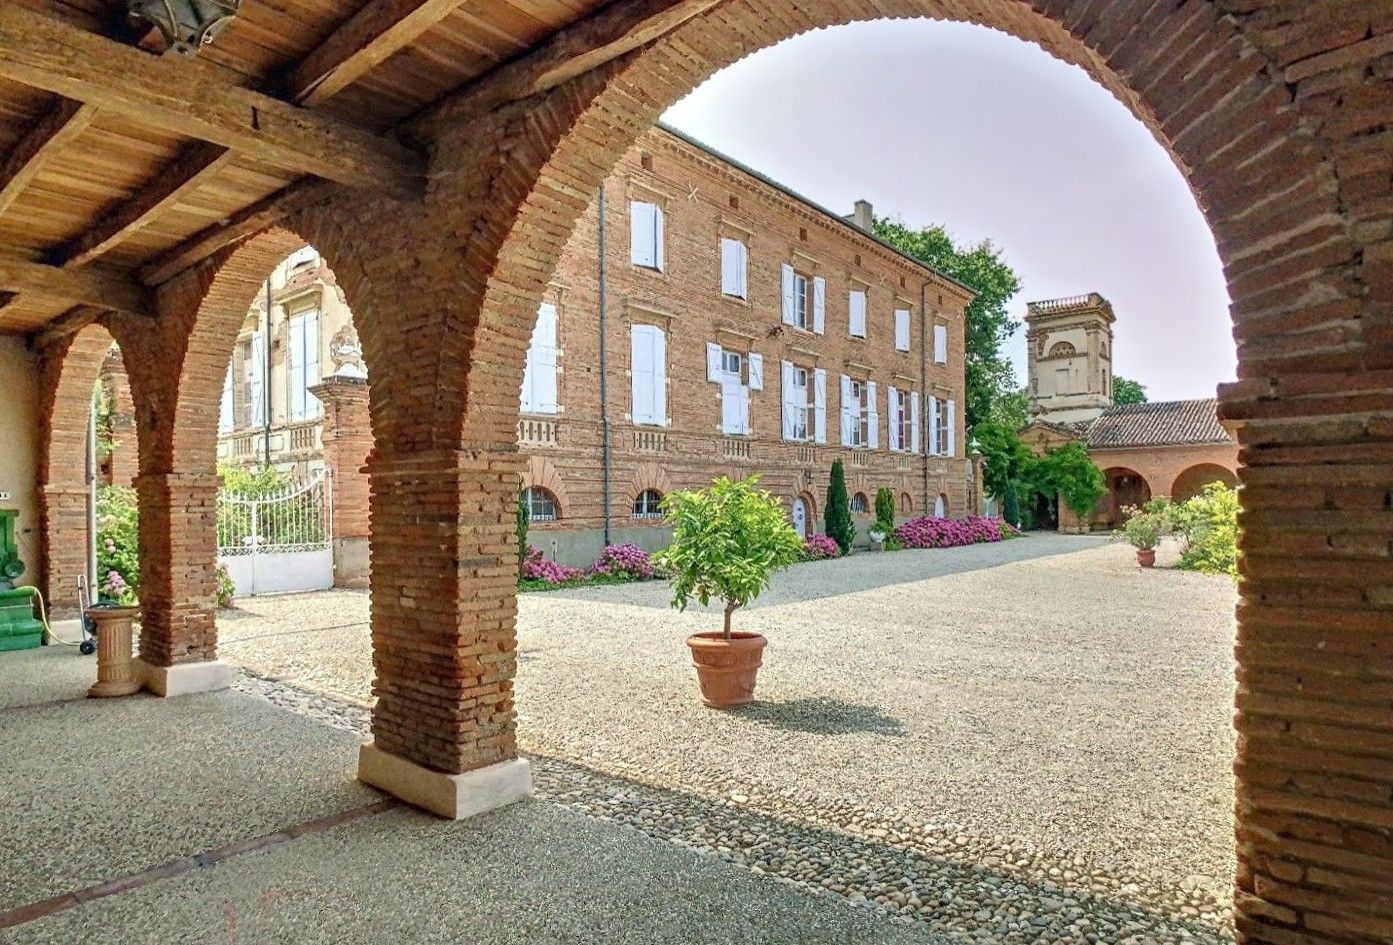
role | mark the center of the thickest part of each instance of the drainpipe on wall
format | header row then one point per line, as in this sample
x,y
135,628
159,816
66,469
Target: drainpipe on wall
x,y
266,385
924,389
604,375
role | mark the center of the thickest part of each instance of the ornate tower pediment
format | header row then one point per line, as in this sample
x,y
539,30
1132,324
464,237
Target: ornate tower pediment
x,y
1070,346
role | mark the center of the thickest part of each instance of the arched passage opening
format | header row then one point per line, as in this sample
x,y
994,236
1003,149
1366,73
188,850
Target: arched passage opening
x,y
1126,488
1193,480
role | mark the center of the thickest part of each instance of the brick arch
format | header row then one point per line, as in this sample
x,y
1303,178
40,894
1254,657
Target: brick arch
x,y
70,368
649,475
1193,478
542,473
1307,259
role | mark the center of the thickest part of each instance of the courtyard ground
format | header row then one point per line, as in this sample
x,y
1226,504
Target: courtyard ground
x,y
1021,742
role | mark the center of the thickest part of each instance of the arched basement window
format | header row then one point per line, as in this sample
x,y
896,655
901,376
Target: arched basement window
x,y
859,503
541,505
646,504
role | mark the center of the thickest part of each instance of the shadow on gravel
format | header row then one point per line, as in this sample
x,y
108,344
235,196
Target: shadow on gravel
x,y
823,716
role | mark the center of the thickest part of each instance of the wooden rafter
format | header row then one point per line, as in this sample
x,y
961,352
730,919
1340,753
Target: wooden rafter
x,y
194,165
73,320
247,223
191,98
91,285
584,45
379,29
50,134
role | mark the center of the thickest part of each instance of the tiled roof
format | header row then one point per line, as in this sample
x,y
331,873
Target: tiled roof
x,y
1169,423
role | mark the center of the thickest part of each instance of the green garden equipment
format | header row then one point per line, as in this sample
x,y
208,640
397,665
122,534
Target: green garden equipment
x,y
18,628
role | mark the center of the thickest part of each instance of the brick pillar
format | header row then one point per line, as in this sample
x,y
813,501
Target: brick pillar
x,y
63,511
347,437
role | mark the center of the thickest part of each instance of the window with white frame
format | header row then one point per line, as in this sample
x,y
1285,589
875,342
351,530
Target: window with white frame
x,y
648,374
539,382
901,329
646,234
903,406
859,417
302,258
735,264
942,427
737,375
648,504
254,372
804,300
226,414
856,306
303,368
796,381
541,505
940,344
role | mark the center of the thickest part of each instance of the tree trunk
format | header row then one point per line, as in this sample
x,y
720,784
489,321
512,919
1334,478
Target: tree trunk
x,y
730,609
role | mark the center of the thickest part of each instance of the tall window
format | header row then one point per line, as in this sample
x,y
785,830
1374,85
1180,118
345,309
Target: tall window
x,y
304,365
945,428
541,505
648,504
735,264
940,344
796,404
646,234
539,376
902,417
857,413
804,300
856,304
901,329
648,374
254,371
737,375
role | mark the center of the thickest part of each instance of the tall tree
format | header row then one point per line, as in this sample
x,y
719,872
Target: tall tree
x,y
1127,391
989,324
837,518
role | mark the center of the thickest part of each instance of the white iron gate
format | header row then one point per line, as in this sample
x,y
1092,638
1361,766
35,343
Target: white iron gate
x,y
276,543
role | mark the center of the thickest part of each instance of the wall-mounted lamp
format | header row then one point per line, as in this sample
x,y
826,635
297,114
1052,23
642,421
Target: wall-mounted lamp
x,y
187,25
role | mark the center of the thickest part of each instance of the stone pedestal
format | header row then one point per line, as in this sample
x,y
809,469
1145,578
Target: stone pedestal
x,y
115,661
456,796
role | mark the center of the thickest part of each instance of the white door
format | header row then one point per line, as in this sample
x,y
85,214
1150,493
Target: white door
x,y
800,517
938,507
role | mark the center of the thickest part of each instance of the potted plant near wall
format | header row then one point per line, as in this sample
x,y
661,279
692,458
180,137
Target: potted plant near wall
x,y
1143,528
726,542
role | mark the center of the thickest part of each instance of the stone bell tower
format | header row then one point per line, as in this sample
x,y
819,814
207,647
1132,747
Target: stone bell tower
x,y
1070,358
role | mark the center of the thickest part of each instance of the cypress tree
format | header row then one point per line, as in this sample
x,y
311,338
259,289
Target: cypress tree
x,y
1010,504
524,522
837,519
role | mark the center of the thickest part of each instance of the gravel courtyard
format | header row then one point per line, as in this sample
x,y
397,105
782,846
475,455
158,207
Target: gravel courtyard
x,y
1027,741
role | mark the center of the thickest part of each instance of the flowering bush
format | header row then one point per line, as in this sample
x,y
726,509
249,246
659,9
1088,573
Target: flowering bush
x,y
225,586
819,546
1209,524
537,568
118,560
624,559
926,532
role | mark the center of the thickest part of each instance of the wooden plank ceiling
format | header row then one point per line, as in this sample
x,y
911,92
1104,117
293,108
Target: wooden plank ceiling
x,y
121,166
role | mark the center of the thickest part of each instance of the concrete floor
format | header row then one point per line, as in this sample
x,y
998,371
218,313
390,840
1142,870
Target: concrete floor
x,y
92,792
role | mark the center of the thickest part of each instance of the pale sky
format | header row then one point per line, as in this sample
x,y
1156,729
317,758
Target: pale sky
x,y
948,123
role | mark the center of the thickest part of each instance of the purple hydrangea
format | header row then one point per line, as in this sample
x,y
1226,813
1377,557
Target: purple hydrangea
x,y
538,568
626,558
926,532
819,546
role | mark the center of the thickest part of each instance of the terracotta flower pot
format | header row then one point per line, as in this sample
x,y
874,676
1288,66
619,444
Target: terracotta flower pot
x,y
726,669
1146,557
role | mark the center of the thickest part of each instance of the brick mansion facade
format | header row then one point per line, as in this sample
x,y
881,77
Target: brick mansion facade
x,y
798,337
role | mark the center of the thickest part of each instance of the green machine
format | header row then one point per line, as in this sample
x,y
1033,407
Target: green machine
x,y
18,628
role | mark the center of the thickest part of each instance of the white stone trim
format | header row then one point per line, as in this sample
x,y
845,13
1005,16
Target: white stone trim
x,y
185,678
455,796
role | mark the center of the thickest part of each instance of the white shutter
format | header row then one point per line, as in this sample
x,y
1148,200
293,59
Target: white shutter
x,y
756,371
225,416
658,340
820,405
255,370
295,370
742,268
857,307
933,425
847,416
787,294
744,409
713,362
786,397
658,254
952,427
940,344
730,405
730,284
641,373
872,417
901,329
892,411
311,362
643,230
914,422
819,304
539,375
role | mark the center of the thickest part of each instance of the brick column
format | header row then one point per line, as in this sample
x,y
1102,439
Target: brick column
x,y
347,437
63,511
123,463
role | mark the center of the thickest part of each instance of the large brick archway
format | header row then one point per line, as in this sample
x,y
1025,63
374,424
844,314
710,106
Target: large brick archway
x,y
1266,119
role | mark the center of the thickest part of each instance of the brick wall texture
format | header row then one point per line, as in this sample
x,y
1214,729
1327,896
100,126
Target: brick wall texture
x,y
1279,114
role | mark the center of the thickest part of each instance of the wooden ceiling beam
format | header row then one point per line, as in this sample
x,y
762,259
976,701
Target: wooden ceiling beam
x,y
246,223
185,174
587,44
379,30
70,322
92,285
193,99
50,134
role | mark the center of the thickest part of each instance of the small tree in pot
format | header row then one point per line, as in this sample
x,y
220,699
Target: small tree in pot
x,y
1144,527
726,542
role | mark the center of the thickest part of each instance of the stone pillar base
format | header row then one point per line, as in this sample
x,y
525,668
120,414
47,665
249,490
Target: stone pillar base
x,y
183,679
455,796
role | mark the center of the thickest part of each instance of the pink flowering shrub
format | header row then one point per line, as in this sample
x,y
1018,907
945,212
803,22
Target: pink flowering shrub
x,y
926,532
627,559
817,547
537,568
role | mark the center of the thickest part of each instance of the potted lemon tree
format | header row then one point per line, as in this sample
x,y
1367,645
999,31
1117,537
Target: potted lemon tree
x,y
726,542
1144,527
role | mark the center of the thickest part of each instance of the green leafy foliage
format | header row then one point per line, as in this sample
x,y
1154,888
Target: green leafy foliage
x,y
1144,527
1208,523
884,510
118,536
226,589
1016,476
1011,410
1068,472
989,324
836,520
254,483
524,522
726,542
1126,391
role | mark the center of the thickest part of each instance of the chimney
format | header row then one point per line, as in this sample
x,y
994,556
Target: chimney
x,y
863,215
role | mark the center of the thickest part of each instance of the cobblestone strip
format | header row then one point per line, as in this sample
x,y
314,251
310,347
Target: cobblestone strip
x,y
961,887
